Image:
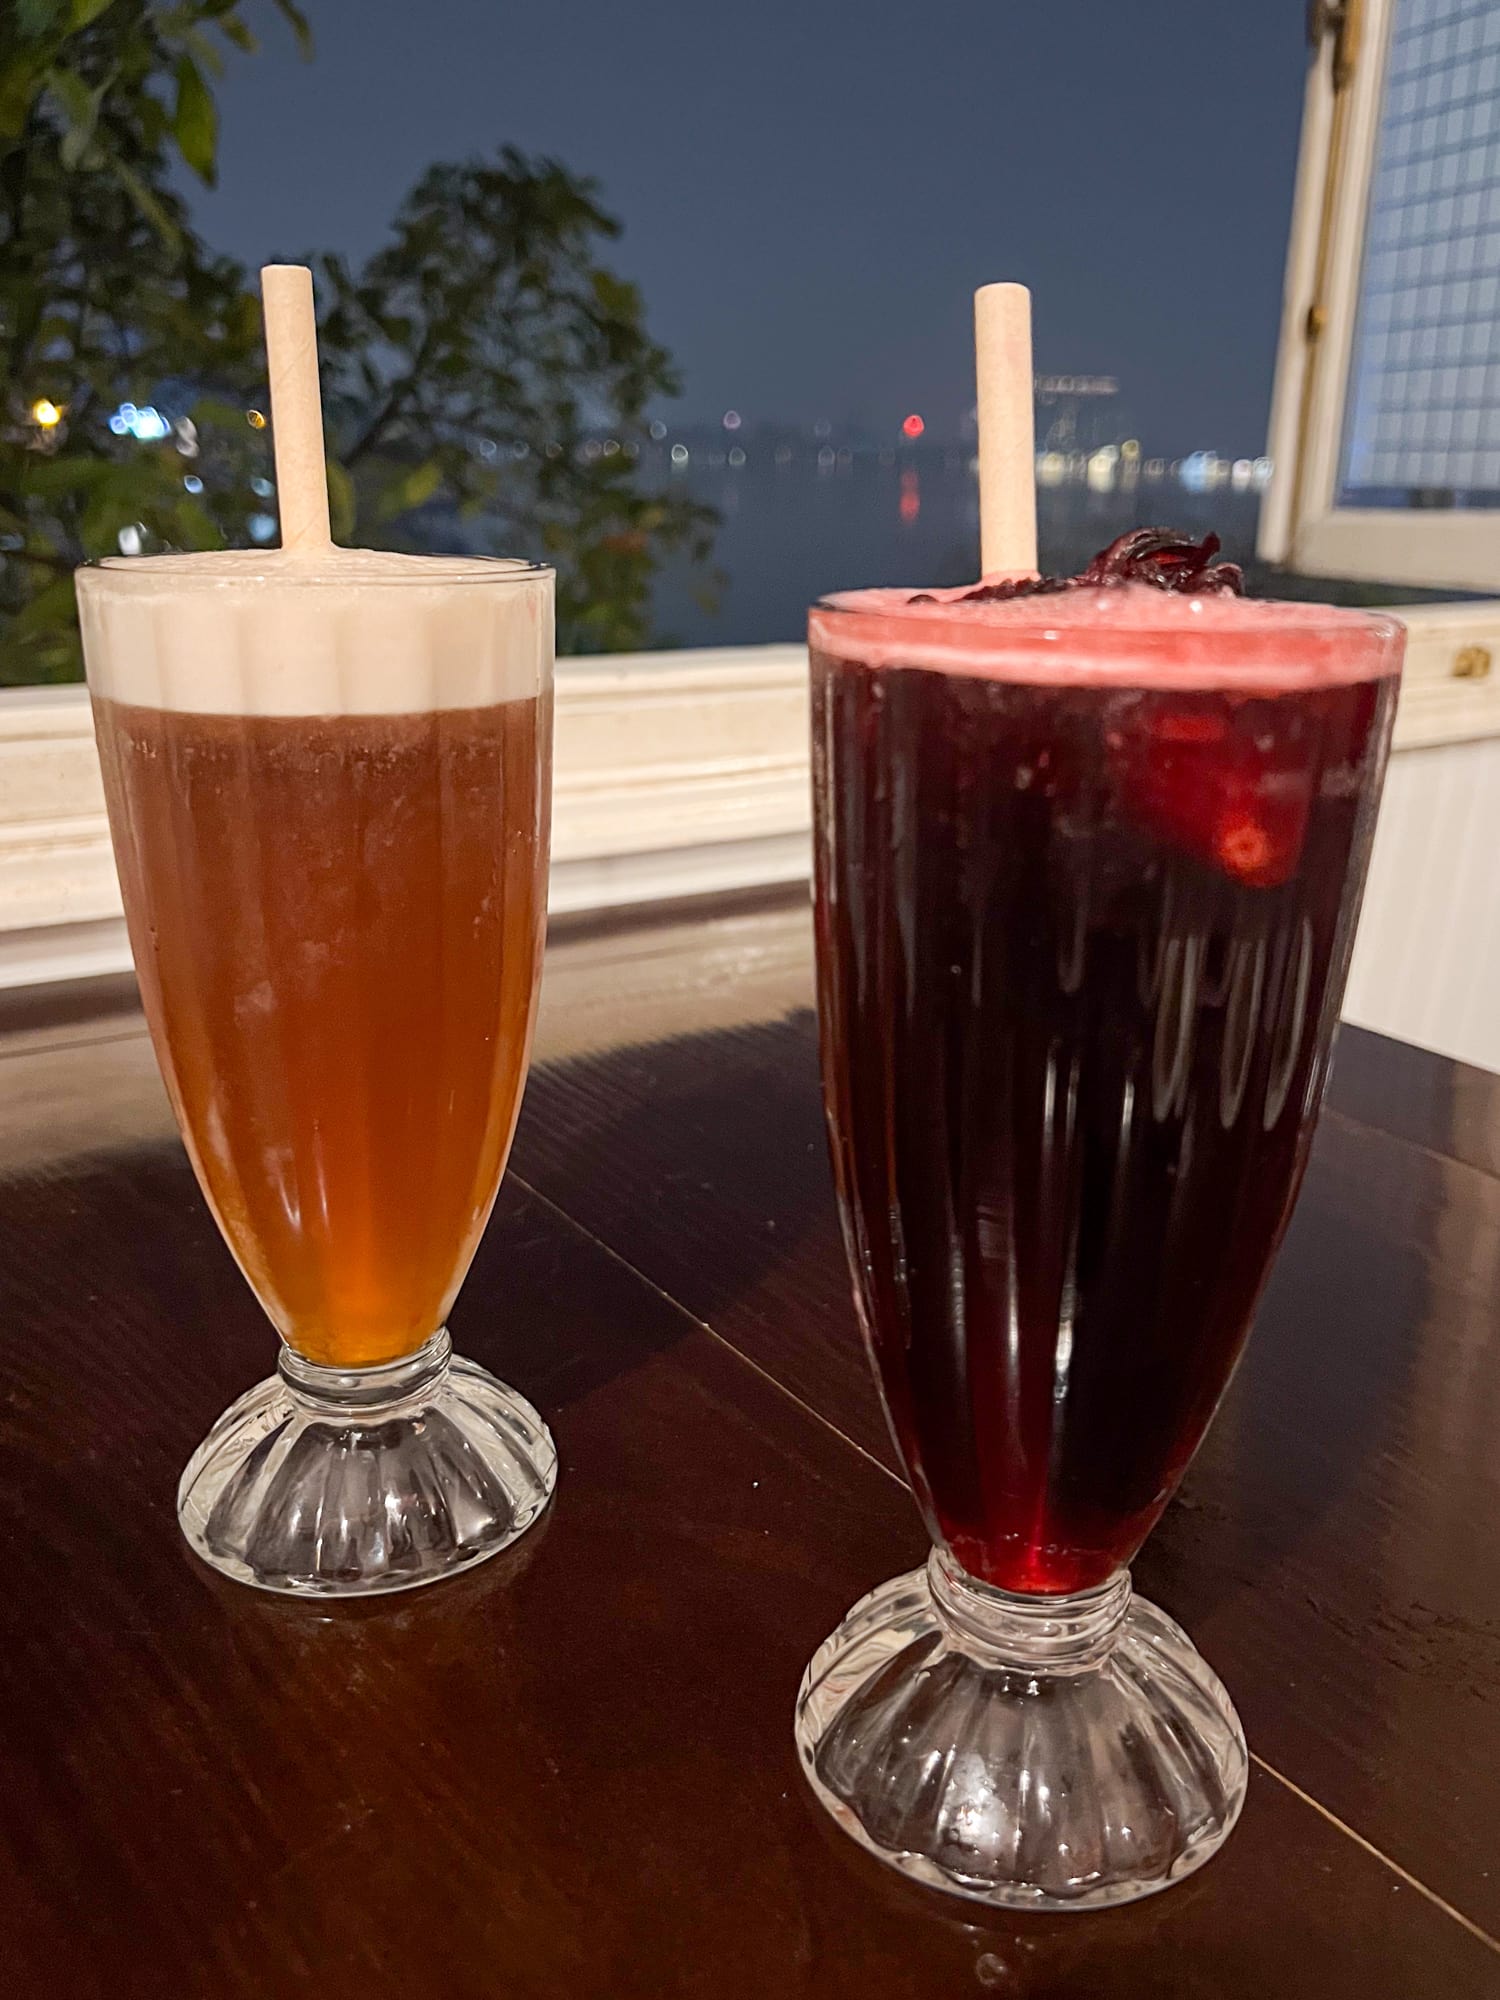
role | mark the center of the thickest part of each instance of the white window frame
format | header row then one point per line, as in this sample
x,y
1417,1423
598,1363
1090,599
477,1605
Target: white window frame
x,y
1302,524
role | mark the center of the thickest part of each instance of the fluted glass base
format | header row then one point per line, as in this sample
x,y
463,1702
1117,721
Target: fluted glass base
x,y
1039,1753
323,1482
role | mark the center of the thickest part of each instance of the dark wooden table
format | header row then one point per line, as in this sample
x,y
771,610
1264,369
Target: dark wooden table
x,y
571,1773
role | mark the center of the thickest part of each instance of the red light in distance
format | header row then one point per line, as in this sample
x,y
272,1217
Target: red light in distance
x,y
913,426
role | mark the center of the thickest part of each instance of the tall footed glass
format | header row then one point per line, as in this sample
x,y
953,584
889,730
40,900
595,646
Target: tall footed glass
x,y
328,781
1088,869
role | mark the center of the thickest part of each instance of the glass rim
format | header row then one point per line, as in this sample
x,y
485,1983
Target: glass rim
x,y
1039,613
1074,639
178,568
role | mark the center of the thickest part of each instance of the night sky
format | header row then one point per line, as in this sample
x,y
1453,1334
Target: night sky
x,y
813,188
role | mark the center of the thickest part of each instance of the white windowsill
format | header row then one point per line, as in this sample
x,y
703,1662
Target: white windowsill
x,y
677,774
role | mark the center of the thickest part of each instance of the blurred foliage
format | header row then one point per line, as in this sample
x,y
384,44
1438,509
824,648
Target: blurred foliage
x,y
464,365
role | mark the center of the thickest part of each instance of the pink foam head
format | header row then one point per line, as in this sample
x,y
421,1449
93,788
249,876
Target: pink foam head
x,y
1126,636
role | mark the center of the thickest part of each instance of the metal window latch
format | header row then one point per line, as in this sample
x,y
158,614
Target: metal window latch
x,y
1471,663
1343,22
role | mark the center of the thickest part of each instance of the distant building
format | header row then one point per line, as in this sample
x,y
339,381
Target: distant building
x,y
1078,413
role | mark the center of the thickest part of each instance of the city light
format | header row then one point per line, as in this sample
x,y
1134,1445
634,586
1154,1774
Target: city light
x,y
737,457
658,430
256,419
262,527
732,420
912,426
679,454
146,424
46,413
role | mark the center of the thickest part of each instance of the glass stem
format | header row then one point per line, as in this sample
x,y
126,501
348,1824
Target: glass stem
x,y
358,1392
1039,1637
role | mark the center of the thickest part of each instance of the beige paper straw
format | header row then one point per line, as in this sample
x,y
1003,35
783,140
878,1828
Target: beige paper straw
x,y
296,406
1007,450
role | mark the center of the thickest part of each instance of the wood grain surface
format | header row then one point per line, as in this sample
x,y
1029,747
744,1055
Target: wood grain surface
x,y
570,1773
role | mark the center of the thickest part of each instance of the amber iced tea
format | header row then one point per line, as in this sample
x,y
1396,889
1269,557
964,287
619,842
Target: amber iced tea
x,y
338,925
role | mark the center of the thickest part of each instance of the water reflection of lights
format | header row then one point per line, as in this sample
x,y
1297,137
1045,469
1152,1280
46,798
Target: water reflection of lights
x,y
910,506
1202,471
737,457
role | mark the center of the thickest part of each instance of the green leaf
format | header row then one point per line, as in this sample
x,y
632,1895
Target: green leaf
x,y
20,82
50,478
146,202
342,505
209,410
208,53
298,22
80,107
195,121
193,527
52,606
35,18
234,30
409,491
85,11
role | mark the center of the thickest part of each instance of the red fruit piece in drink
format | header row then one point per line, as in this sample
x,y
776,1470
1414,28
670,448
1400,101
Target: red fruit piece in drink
x,y
1237,803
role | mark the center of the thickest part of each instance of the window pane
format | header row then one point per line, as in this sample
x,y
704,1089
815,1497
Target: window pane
x,y
1415,434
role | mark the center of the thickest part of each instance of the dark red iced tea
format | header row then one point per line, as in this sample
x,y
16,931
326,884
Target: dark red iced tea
x,y
1087,876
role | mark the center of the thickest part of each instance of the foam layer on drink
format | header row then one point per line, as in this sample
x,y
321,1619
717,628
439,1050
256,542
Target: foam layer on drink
x,y
345,632
1124,636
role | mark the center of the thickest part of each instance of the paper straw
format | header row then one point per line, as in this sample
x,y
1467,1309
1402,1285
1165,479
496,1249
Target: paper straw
x,y
296,406
1007,451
